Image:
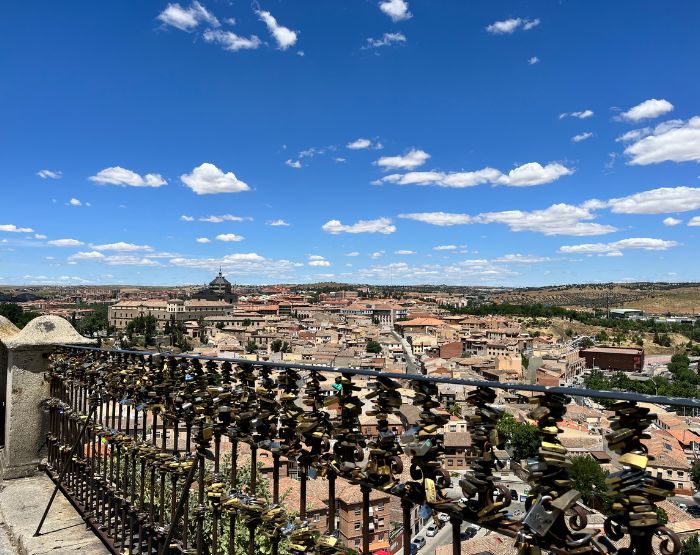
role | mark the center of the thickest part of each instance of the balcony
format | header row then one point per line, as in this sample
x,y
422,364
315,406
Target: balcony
x,y
149,448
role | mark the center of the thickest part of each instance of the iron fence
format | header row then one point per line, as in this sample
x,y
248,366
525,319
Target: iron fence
x,y
146,447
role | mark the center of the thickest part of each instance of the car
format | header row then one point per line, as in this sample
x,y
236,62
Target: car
x,y
419,542
514,494
432,530
693,510
443,517
468,533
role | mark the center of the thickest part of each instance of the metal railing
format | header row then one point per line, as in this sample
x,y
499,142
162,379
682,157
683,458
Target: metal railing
x,y
146,447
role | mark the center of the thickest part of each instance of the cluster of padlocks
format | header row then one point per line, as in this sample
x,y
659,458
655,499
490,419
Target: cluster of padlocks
x,y
124,477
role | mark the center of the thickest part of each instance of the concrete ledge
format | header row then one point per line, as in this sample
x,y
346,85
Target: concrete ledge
x,y
46,331
22,502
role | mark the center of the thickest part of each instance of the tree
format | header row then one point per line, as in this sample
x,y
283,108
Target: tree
x,y
374,347
522,439
602,336
569,332
219,325
455,409
247,322
586,342
276,345
142,325
691,546
695,474
251,347
589,478
16,314
95,321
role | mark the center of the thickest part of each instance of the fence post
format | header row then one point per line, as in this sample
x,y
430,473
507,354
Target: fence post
x,y
26,388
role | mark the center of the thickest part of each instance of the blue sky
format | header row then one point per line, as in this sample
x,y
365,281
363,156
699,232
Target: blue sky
x,y
373,141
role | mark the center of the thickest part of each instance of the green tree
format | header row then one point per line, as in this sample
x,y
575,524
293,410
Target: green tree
x,y
455,409
94,322
569,332
142,325
695,474
691,546
251,347
585,343
16,314
276,345
522,439
374,347
219,325
247,322
602,336
589,478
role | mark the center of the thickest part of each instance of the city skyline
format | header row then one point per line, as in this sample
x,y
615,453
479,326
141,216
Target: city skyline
x,y
383,142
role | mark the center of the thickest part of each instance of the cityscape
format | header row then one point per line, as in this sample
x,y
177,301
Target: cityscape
x,y
392,277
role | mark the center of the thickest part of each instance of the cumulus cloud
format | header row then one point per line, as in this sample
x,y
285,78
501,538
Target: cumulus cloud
x,y
224,218
353,253
12,228
122,246
583,114
245,264
694,221
203,240
231,41
649,109
296,164
534,60
509,26
672,141
187,19
387,39
663,200
644,243
404,252
117,175
527,175
318,261
90,255
362,143
75,202
278,223
672,221
445,248
229,237
207,179
412,159
581,137
185,218
558,219
66,243
522,259
397,10
380,225
439,218
49,174
284,36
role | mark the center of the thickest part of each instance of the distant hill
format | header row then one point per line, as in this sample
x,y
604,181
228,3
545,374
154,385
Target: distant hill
x,y
20,298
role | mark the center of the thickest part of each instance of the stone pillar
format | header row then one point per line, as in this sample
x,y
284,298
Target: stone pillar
x,y
27,359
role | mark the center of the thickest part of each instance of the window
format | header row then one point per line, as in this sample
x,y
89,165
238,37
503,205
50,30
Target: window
x,y
380,522
450,462
357,526
317,517
380,506
669,472
453,427
357,543
680,486
680,473
357,511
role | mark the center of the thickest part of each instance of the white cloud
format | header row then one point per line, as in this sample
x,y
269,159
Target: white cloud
x,y
296,164
643,243
581,137
187,19
558,219
694,221
648,109
74,202
353,253
439,218
445,248
526,175
404,252
130,260
318,261
412,159
186,218
534,60
380,225
284,36
657,201
583,114
509,26
122,246
673,141
397,10
12,228
387,39
207,179
278,223
534,173
376,254
246,264
339,159
39,236
66,243
49,174
634,135
224,218
359,144
672,221
229,237
117,175
91,255
522,259
203,240
231,41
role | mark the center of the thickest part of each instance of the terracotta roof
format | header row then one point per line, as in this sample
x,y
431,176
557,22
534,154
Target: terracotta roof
x,y
421,322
